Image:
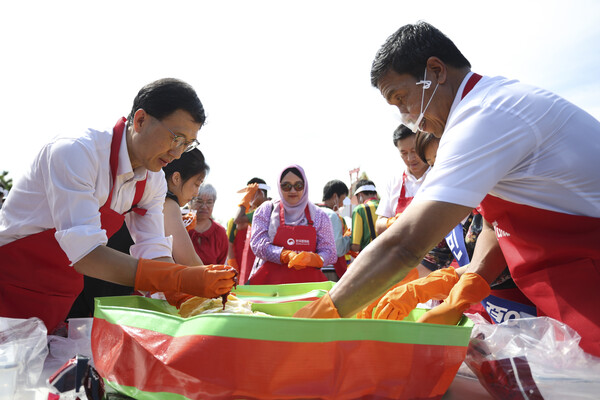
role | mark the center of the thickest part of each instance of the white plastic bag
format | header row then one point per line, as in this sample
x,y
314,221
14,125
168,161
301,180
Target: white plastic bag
x,y
532,358
23,350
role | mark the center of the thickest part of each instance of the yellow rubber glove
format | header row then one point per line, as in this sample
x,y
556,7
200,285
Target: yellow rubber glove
x,y
286,256
367,312
470,289
249,196
305,259
399,302
321,308
202,280
390,221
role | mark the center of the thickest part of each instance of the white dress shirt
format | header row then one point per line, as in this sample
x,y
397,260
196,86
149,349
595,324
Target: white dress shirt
x,y
64,188
391,192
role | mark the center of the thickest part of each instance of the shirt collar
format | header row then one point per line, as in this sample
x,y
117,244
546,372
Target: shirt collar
x,y
412,178
125,167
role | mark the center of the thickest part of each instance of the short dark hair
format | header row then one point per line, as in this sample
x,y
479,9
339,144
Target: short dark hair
x,y
364,182
334,187
163,97
421,142
408,49
258,180
401,132
190,164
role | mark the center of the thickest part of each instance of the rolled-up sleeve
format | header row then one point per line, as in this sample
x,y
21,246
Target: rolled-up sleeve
x,y
260,243
70,172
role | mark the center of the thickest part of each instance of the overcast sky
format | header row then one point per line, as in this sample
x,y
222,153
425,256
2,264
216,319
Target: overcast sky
x,y
282,81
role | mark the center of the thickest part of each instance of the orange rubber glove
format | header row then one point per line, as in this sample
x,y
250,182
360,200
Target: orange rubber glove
x,y
470,289
176,298
354,254
348,232
202,280
321,308
286,256
189,221
232,262
305,259
399,302
249,196
367,312
390,221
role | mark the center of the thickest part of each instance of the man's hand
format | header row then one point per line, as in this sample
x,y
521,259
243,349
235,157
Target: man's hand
x,y
204,280
249,196
399,302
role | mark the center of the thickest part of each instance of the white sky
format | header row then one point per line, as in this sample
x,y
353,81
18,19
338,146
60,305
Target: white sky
x,y
282,81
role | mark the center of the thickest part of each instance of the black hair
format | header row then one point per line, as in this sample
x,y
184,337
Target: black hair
x,y
334,187
190,164
400,133
364,182
163,97
258,180
294,171
408,49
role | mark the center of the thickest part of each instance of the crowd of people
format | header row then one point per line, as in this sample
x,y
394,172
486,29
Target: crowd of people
x,y
494,207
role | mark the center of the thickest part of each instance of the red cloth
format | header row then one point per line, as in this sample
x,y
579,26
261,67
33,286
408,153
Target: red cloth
x,y
212,244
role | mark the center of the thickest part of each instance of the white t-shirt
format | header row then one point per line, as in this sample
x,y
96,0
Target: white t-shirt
x,y
67,183
519,143
392,189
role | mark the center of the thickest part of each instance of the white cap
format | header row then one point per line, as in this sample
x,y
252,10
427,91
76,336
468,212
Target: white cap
x,y
263,186
366,188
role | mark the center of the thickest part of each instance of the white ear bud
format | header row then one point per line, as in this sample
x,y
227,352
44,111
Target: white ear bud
x,y
426,84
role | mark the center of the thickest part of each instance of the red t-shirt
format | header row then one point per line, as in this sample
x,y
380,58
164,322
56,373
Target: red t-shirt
x,y
212,244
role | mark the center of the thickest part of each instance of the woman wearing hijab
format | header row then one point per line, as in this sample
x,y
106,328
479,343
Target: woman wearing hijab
x,y
292,238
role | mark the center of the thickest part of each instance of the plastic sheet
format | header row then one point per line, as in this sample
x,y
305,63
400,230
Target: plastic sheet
x,y
532,358
145,350
22,353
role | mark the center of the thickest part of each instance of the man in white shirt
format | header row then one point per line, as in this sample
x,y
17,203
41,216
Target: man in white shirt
x,y
78,191
527,156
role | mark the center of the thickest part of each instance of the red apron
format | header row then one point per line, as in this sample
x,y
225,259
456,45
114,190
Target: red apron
x,y
248,257
37,280
554,258
296,238
403,201
341,265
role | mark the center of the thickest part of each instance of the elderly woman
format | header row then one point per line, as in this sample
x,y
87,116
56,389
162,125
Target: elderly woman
x,y
292,238
209,238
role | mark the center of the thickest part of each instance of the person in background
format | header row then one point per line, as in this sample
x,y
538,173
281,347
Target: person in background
x,y
504,146
363,215
334,193
240,254
78,192
208,237
403,185
291,237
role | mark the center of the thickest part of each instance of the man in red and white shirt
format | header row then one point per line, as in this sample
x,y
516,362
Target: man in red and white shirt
x,y
529,157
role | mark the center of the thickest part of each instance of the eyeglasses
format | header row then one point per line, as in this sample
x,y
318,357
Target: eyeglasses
x,y
179,140
286,186
202,203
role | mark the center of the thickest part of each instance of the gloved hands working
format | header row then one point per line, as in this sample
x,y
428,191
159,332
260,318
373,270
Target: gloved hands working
x,y
203,280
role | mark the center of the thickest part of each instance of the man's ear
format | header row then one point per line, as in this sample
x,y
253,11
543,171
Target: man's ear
x,y
439,69
140,118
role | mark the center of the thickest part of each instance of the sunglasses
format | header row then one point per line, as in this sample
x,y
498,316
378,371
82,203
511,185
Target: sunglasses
x,y
286,186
